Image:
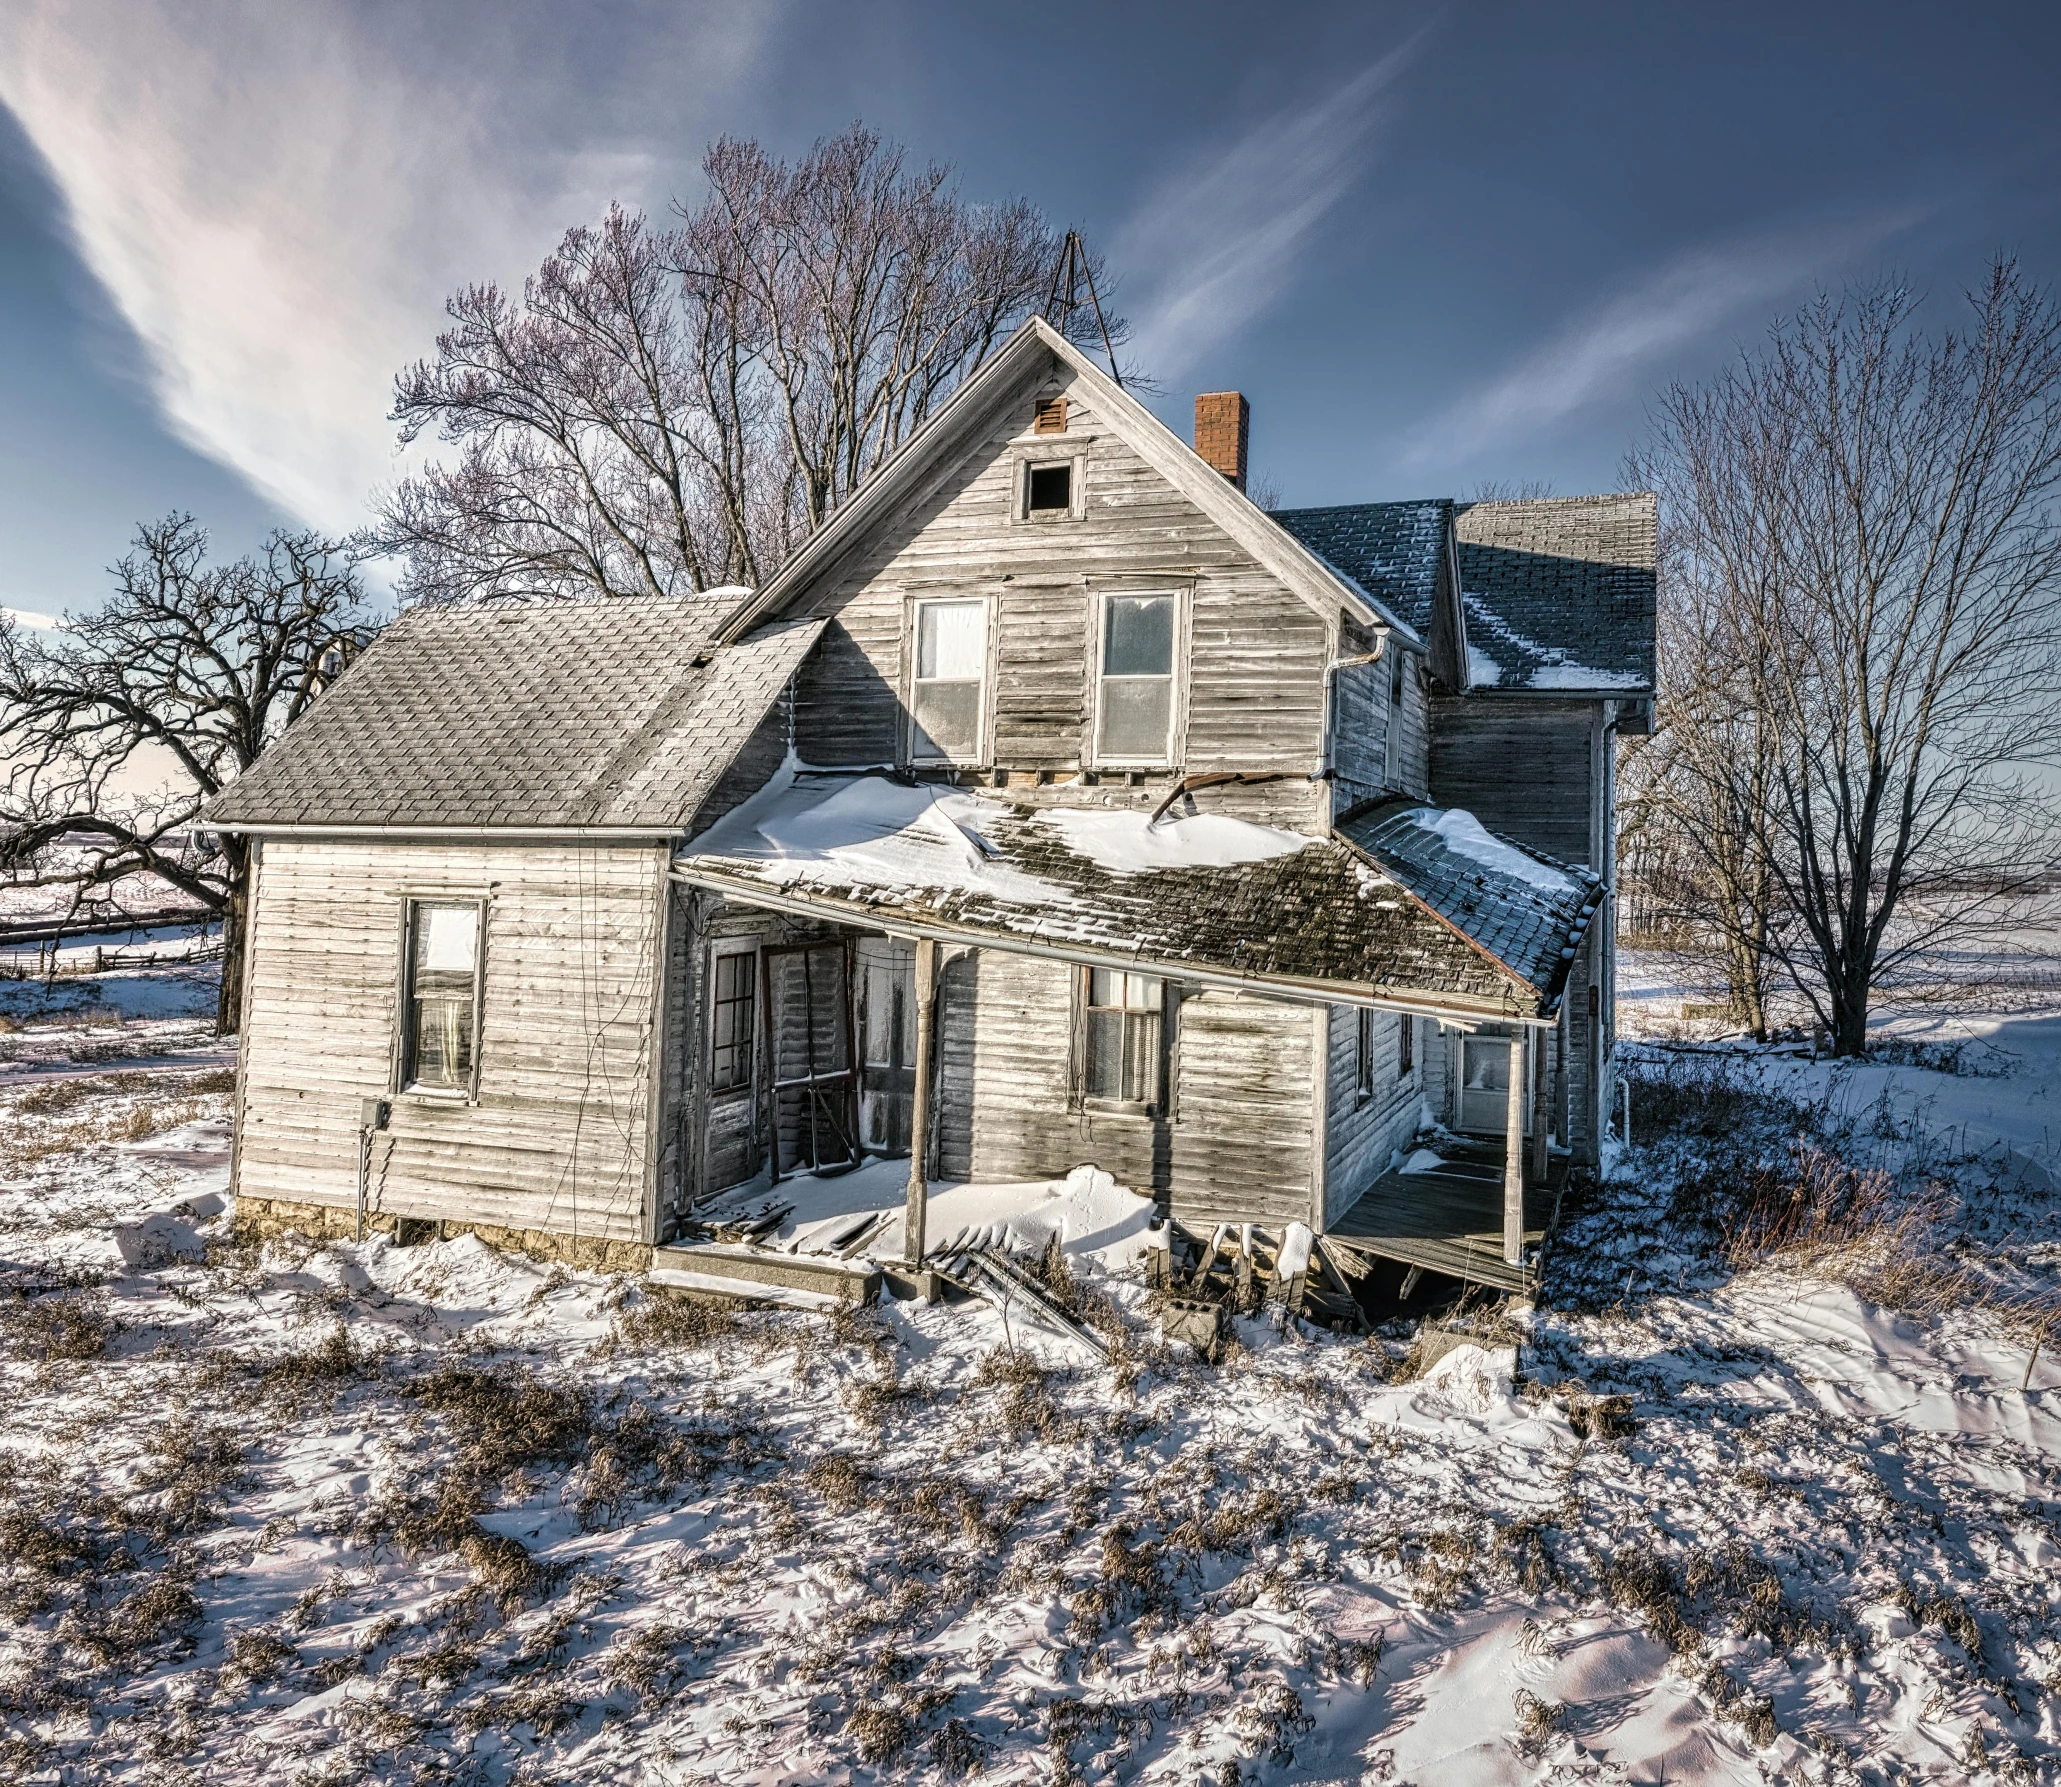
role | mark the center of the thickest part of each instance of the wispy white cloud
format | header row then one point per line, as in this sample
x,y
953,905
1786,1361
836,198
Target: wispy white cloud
x,y
1218,240
1609,348
278,197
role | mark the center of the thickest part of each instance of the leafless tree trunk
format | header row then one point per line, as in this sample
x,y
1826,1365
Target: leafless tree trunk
x,y
1863,633
666,410
206,663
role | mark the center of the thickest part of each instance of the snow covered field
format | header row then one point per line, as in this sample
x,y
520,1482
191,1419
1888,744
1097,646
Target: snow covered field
x,y
350,1513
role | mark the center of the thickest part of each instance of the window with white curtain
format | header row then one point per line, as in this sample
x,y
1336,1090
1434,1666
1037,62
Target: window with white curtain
x,y
950,682
1135,706
440,1041
1124,1036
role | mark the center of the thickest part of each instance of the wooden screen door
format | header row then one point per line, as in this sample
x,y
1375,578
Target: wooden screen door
x,y
808,1007
887,1039
1484,1084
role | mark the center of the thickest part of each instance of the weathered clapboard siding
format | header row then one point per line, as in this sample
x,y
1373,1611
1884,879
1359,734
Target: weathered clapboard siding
x,y
1254,697
1362,1133
1236,1146
560,1137
1523,766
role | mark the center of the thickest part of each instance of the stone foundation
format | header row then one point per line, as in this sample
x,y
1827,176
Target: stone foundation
x,y
264,1217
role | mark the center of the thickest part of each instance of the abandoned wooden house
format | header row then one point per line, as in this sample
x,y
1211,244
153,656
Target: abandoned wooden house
x,y
1055,804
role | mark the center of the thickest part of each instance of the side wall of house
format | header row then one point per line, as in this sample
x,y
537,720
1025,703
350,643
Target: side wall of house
x,y
1362,715
561,1135
1256,652
1361,1132
1539,770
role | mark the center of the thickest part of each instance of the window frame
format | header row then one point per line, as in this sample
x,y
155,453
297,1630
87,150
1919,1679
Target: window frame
x,y
1160,1105
1177,699
983,730
1363,1054
720,949
1406,1051
1041,453
1392,736
401,1080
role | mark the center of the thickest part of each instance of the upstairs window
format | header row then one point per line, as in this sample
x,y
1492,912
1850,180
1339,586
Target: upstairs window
x,y
1392,734
1125,1037
1050,416
440,1012
950,681
733,1020
1134,717
1048,489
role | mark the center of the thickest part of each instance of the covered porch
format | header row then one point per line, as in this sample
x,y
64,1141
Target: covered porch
x,y
1450,1217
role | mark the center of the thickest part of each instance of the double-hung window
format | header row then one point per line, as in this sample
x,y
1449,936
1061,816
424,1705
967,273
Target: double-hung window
x,y
1124,1037
948,690
440,1009
1134,711
733,1019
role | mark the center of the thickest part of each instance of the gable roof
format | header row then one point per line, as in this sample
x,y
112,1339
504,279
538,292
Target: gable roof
x,y
1391,550
1272,546
1202,898
1560,592
538,715
1557,593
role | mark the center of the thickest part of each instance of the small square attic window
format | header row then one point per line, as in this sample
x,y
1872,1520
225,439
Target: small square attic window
x,y
1050,416
1050,489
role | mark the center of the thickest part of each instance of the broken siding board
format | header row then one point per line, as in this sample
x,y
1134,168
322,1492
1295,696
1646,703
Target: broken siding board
x,y
1255,691
558,1137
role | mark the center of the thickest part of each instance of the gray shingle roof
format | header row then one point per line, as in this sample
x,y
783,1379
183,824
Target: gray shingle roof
x,y
1391,550
1559,591
1332,914
533,714
1501,894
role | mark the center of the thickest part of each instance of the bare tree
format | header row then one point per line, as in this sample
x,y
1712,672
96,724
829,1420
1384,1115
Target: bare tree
x,y
669,409
1863,632
204,663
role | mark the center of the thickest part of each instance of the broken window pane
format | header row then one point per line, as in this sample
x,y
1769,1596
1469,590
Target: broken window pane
x,y
1051,488
1137,706
734,1011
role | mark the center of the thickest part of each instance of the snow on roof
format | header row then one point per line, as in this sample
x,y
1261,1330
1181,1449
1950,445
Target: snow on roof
x,y
1466,836
1207,894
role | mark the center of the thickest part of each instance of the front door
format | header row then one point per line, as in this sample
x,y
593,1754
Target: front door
x,y
887,1037
1484,1085
808,1007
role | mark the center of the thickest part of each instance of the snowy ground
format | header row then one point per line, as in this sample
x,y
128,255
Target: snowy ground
x,y
370,1513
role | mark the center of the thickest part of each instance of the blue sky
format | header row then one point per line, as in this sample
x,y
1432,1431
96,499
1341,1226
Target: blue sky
x,y
1435,246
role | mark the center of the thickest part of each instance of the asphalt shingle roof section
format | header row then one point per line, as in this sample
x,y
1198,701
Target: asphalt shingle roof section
x,y
543,714
1391,550
1527,912
1559,592
1330,915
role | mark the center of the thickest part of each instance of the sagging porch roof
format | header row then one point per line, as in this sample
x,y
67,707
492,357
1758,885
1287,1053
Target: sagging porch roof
x,y
1402,918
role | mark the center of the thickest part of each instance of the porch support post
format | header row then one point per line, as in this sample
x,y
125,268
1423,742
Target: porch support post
x,y
1540,1081
1513,1147
919,1109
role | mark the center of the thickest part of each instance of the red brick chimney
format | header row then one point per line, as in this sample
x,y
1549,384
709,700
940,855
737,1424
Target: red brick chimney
x,y
1223,420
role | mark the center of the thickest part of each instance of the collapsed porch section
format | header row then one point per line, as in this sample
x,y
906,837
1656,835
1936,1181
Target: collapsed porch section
x,y
1002,990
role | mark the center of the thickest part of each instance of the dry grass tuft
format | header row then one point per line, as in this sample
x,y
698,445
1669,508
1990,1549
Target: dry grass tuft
x,y
659,1323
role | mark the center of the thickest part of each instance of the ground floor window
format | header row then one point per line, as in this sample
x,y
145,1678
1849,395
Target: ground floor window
x,y
1406,1048
440,1009
1124,1036
1363,1053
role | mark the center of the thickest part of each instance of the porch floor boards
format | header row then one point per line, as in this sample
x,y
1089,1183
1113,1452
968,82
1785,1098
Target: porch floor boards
x,y
1450,1220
